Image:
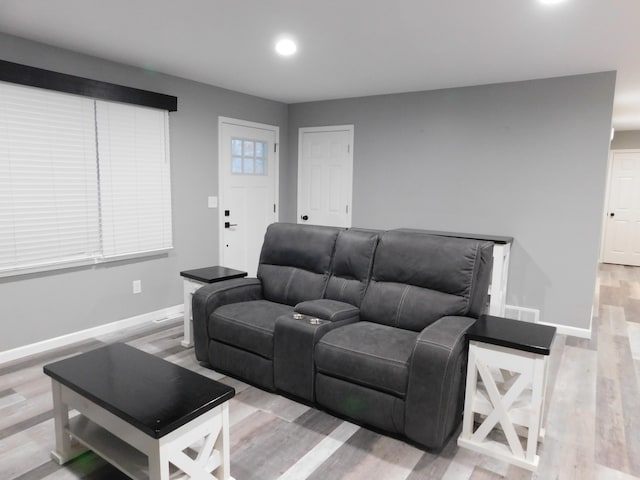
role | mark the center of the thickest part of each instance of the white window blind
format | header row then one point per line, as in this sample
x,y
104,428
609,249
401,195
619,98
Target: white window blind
x,y
81,181
48,179
134,179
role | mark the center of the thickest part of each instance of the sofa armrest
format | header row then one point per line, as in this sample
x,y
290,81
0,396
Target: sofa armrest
x,y
331,310
208,298
435,392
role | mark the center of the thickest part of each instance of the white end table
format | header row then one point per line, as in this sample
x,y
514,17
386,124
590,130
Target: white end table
x,y
193,280
506,384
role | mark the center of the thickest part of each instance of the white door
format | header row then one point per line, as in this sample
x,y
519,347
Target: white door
x,y
622,225
325,175
248,173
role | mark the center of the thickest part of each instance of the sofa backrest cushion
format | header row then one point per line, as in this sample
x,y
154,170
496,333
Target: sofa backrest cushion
x,y
351,266
418,278
295,261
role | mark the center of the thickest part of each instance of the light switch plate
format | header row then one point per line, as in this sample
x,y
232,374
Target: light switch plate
x,y
212,202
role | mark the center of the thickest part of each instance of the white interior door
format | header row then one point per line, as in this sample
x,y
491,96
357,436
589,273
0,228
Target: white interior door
x,y
248,190
622,225
325,175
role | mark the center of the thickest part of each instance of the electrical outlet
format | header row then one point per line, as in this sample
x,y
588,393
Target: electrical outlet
x,y
137,286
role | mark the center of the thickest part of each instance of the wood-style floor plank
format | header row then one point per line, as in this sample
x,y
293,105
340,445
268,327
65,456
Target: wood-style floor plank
x,y
593,425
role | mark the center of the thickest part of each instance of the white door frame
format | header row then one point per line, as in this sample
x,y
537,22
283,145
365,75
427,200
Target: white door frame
x,y
607,197
329,128
276,163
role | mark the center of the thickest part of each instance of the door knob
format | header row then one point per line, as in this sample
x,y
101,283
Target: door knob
x,y
229,225
612,214
304,217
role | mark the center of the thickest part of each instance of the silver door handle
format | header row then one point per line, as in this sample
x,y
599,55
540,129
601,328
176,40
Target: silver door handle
x,y
228,225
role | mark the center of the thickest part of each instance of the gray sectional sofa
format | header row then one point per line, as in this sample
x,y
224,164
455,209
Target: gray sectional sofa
x,y
367,324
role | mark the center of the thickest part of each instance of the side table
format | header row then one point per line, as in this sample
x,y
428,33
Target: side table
x,y
193,280
506,384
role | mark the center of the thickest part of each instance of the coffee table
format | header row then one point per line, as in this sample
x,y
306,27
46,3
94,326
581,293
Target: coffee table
x,y
146,416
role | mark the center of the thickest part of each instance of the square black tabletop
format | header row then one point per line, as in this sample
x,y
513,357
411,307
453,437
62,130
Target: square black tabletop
x,y
213,274
152,394
505,332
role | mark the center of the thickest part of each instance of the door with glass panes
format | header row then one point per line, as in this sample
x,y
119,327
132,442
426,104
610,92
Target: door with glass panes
x,y
248,190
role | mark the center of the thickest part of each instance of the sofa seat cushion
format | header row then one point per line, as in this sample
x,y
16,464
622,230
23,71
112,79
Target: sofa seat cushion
x,y
369,354
248,325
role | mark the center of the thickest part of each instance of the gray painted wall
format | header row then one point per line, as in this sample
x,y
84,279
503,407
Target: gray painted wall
x,y
524,159
42,306
626,139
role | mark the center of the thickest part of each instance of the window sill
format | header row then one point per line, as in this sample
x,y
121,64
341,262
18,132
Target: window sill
x,y
77,262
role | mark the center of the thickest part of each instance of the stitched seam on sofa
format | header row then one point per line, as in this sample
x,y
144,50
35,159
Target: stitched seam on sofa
x,y
250,325
344,311
457,339
241,349
359,381
401,304
449,390
210,294
429,342
343,287
393,420
226,289
369,277
286,288
329,271
450,351
364,354
373,251
442,395
473,280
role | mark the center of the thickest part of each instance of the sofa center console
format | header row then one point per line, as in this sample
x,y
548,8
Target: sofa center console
x,y
295,338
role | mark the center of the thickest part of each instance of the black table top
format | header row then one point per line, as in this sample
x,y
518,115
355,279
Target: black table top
x,y
472,236
146,391
529,337
213,274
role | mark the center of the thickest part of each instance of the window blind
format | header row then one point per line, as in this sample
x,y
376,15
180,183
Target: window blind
x,y
48,179
135,189
81,181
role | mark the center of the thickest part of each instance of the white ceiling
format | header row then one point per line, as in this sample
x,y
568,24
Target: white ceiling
x,y
349,48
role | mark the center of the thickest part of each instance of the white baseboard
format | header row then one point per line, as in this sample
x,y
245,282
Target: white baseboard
x,y
573,331
51,343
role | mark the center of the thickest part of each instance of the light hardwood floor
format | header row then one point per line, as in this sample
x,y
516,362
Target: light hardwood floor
x,y
593,423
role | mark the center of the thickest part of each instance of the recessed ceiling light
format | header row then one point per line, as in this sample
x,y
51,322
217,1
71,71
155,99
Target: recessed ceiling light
x,y
286,47
551,2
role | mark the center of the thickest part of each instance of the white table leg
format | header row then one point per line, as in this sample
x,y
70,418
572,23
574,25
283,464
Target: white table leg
x,y
222,445
499,275
472,379
188,290
158,464
208,436
66,448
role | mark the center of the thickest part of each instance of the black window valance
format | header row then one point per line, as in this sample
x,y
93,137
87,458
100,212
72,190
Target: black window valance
x,y
62,82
